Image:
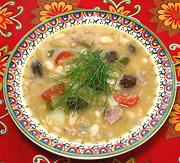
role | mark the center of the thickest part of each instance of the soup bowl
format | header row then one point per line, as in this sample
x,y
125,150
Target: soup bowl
x,y
25,121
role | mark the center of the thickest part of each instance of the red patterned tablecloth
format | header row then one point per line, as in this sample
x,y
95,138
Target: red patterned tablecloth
x,y
17,17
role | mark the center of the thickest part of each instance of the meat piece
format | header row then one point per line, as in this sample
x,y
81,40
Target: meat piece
x,y
111,56
76,103
113,114
37,68
128,81
131,48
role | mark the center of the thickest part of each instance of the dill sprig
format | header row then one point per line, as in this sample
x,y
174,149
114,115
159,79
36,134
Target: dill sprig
x,y
87,78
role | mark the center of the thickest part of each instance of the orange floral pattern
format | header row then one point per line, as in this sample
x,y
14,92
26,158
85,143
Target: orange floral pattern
x,y
170,14
4,18
41,158
167,16
50,8
175,117
130,160
4,55
53,9
177,63
119,10
8,18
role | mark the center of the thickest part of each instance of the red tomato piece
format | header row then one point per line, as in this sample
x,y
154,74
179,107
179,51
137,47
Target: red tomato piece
x,y
128,100
61,56
55,90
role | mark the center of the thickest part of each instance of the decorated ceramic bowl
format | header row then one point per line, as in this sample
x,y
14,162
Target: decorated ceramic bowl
x,y
151,123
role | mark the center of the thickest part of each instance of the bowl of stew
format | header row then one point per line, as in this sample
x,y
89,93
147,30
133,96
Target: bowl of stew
x,y
89,84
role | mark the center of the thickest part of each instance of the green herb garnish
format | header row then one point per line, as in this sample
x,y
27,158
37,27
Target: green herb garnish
x,y
50,53
87,80
124,60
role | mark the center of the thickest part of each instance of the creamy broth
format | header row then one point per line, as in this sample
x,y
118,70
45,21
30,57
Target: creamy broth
x,y
90,125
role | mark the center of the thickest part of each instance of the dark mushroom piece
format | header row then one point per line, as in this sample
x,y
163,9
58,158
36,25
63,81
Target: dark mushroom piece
x,y
131,48
37,68
111,56
128,81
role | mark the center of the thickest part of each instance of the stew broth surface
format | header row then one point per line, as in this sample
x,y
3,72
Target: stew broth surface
x,y
89,126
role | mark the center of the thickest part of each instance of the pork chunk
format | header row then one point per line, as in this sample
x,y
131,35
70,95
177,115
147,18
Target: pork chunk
x,y
113,114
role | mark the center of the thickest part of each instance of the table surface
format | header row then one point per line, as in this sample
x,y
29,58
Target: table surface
x,y
18,17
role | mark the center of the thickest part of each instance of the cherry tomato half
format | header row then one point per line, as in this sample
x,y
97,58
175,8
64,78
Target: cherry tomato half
x,y
55,90
61,56
128,100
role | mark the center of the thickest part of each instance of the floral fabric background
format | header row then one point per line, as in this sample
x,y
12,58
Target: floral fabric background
x,y
18,17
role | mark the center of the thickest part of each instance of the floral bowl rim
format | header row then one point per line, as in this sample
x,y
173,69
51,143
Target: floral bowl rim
x,y
96,155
